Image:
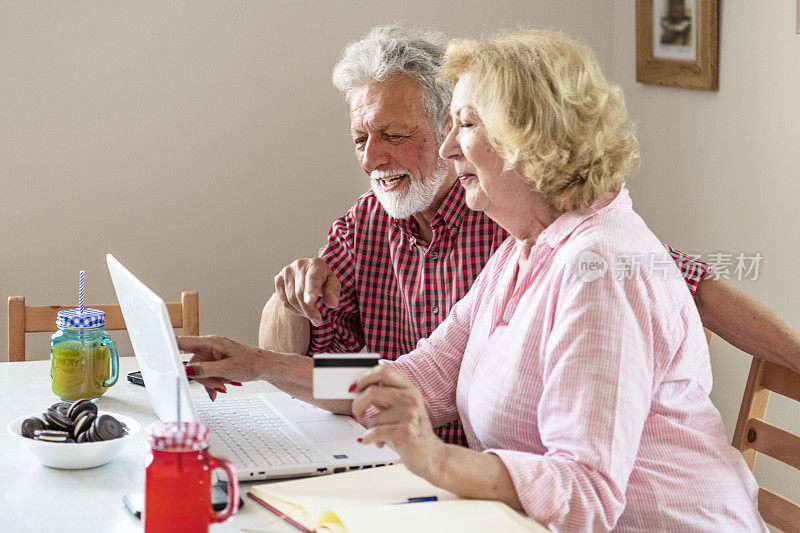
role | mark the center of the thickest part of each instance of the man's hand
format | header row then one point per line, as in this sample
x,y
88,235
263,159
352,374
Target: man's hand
x,y
218,361
301,284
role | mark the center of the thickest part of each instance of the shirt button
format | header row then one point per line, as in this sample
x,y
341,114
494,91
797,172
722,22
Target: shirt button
x,y
435,309
434,255
454,231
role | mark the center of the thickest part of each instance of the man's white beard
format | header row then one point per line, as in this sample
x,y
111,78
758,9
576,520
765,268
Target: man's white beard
x,y
416,197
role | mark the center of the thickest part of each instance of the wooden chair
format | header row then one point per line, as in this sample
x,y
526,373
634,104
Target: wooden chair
x,y
24,319
753,434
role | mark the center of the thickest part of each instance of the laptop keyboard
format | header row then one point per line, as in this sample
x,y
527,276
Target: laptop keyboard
x,y
255,434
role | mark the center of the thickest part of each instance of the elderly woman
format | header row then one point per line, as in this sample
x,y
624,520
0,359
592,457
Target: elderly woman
x,y
582,381
583,387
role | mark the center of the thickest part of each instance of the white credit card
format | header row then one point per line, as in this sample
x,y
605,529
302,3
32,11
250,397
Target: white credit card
x,y
334,373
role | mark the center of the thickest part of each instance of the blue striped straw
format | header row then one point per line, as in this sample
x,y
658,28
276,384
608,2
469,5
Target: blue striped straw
x,y
80,289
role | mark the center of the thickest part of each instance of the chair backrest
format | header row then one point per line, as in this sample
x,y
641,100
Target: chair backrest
x,y
24,319
753,434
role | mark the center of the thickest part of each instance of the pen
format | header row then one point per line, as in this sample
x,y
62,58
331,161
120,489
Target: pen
x,y
419,499
289,520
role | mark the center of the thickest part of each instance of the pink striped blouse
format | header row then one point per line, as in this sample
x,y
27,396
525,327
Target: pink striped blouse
x,y
589,379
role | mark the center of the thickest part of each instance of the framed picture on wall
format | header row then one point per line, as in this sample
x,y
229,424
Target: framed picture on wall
x,y
677,43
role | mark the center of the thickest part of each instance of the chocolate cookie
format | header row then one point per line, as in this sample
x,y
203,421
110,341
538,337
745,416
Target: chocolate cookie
x,y
80,406
77,422
61,407
91,434
57,420
82,422
30,425
51,435
106,427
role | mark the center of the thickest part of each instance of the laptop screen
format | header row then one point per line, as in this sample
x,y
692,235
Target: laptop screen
x,y
154,345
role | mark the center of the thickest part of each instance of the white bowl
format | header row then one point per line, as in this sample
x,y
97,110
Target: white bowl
x,y
75,456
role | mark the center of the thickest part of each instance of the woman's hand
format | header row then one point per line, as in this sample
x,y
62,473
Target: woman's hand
x,y
218,361
401,419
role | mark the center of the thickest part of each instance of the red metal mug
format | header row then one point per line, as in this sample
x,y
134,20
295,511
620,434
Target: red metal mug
x,y
177,495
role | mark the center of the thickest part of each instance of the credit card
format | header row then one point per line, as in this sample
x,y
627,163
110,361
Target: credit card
x,y
335,372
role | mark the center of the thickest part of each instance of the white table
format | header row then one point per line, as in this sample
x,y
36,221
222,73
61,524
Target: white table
x,y
35,498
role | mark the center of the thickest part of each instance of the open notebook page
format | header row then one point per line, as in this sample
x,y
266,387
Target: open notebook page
x,y
364,496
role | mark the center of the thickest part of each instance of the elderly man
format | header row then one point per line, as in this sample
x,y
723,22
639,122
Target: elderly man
x,y
409,248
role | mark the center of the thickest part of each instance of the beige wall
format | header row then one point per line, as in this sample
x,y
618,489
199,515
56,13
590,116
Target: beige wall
x,y
200,142
720,173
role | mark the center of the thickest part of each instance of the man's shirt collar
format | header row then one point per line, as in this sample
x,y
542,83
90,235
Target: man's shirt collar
x,y
450,214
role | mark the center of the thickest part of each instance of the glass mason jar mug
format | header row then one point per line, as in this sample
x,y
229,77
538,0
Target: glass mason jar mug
x,y
178,480
84,361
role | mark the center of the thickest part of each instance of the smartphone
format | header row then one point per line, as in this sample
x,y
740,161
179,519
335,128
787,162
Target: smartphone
x,y
134,501
136,377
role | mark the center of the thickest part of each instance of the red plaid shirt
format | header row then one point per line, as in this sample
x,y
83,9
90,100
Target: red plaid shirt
x,y
692,268
396,289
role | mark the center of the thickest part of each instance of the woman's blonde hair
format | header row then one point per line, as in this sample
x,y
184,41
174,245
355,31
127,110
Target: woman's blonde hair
x,y
549,113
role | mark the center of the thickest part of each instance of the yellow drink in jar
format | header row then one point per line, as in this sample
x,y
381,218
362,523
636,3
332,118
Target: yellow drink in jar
x,y
79,371
84,361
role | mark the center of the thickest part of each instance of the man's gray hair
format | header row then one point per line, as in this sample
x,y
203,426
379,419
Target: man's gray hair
x,y
387,50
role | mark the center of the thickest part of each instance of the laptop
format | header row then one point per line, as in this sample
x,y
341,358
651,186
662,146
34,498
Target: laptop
x,y
266,436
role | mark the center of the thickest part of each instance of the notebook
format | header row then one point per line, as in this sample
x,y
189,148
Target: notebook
x,y
265,436
372,500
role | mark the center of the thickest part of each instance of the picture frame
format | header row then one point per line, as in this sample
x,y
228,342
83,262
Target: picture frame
x,y
677,43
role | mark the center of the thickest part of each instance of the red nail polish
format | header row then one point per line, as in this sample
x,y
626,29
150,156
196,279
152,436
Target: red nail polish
x,y
359,439
236,383
352,388
219,389
189,371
